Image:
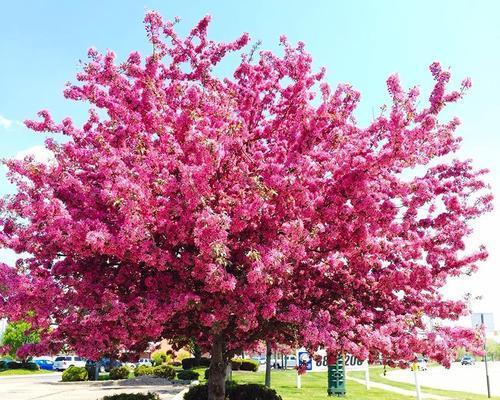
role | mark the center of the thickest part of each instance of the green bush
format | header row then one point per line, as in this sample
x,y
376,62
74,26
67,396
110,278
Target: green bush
x,y
164,371
198,392
74,374
236,364
133,396
31,366
119,373
14,365
188,375
143,370
189,363
251,391
249,365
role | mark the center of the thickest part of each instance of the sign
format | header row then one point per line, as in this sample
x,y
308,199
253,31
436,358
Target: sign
x,y
487,318
320,361
336,377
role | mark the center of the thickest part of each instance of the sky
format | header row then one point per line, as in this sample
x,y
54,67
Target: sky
x,y
359,42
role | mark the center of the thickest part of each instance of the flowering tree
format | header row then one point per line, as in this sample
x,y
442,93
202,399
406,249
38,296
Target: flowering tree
x,y
240,209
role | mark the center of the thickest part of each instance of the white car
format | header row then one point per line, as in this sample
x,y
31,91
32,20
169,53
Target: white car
x,y
64,362
144,361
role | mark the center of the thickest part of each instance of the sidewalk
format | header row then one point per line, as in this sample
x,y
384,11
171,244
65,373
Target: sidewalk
x,y
394,389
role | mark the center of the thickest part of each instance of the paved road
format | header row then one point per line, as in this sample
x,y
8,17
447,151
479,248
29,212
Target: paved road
x,y
464,378
48,387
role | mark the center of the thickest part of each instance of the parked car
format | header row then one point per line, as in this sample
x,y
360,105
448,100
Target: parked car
x,y
468,360
109,365
44,363
64,362
144,361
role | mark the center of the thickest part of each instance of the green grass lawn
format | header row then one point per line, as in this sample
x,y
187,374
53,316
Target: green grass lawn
x,y
376,376
9,372
314,386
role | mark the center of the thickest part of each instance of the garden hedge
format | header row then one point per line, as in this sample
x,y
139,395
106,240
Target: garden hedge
x,y
188,375
189,363
164,371
133,396
75,374
143,370
119,373
251,391
236,364
249,365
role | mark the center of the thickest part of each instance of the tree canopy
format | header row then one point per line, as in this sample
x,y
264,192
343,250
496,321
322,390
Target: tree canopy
x,y
236,209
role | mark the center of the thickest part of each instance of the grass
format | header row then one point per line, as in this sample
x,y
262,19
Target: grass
x,y
314,386
10,372
376,376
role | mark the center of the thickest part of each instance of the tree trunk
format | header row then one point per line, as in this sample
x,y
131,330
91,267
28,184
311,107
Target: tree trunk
x,y
268,364
218,368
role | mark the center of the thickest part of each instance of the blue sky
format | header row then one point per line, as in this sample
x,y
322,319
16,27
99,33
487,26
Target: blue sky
x,y
360,42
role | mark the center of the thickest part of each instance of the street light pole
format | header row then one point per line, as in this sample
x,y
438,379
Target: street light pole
x,y
486,361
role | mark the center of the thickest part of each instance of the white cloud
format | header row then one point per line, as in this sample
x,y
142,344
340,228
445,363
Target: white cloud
x,y
5,123
39,152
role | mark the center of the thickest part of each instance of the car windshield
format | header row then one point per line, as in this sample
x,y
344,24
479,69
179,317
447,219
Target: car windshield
x,y
63,358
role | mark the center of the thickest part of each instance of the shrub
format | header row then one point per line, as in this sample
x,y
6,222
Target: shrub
x,y
236,364
133,396
175,363
249,365
190,363
198,392
74,374
207,373
249,391
188,375
119,373
143,370
14,365
164,371
31,366
205,362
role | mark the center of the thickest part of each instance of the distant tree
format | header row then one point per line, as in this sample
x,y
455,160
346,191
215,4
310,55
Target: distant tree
x,y
159,357
493,349
18,334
